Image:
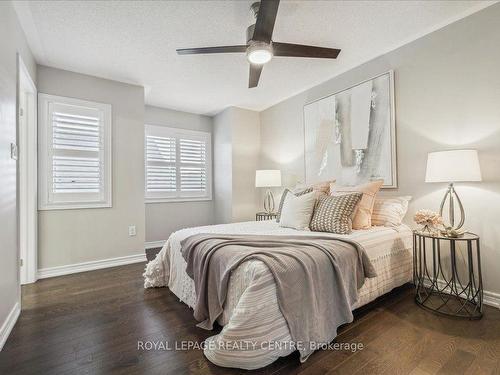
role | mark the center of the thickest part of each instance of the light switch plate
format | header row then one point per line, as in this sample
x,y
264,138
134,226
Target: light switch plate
x,y
13,151
131,230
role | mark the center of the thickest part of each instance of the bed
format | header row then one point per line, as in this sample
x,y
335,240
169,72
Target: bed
x,y
254,332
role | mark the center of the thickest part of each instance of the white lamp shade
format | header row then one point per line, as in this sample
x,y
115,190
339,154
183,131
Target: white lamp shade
x,y
267,178
453,166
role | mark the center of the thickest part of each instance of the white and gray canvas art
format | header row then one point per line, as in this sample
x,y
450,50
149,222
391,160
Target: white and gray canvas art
x,y
350,135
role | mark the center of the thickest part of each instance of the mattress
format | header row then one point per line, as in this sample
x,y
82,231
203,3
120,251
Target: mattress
x,y
255,332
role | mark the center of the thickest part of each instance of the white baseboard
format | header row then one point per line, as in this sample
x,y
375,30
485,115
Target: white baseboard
x,y
90,266
153,244
8,324
489,298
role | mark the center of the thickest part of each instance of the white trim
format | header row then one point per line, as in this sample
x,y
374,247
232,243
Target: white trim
x,y
75,206
46,200
154,244
90,266
178,195
27,174
489,298
175,200
9,323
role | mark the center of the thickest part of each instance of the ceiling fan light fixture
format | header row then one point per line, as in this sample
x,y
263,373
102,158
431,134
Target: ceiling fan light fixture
x,y
260,47
259,53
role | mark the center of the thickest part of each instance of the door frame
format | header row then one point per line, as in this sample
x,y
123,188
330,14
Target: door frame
x,y
27,175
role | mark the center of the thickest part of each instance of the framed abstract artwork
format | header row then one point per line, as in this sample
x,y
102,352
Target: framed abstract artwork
x,y
350,135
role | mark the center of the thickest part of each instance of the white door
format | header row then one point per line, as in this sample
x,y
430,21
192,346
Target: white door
x,y
27,162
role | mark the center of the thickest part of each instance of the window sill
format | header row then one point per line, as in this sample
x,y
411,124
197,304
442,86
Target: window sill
x,y
176,200
74,206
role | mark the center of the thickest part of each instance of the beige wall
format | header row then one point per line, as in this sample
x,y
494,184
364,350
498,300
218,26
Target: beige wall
x,y
223,167
237,147
74,236
447,87
12,41
246,149
164,218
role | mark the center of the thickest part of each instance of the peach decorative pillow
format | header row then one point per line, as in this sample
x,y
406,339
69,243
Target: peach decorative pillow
x,y
320,187
363,216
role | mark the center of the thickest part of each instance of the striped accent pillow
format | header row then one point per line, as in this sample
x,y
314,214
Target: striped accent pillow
x,y
296,192
334,213
389,212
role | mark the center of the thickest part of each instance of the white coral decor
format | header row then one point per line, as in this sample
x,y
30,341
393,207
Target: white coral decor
x,y
429,219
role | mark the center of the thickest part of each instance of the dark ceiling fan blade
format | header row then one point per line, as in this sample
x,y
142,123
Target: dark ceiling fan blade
x,y
255,71
265,20
299,50
204,50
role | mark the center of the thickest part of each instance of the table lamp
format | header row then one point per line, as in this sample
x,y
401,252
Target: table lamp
x,y
453,166
268,178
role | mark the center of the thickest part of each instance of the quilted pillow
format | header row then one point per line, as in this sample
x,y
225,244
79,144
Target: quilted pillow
x,y
334,213
297,193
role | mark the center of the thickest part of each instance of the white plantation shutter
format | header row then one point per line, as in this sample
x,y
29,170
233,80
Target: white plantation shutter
x,y
76,175
178,164
193,173
161,174
75,153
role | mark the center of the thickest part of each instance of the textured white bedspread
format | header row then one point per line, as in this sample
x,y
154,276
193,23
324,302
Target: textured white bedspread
x,y
251,318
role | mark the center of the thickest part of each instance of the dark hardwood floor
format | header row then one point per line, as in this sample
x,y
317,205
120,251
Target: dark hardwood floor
x,y
90,323
151,253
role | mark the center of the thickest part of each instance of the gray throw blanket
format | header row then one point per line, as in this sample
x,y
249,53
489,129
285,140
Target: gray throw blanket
x,y
317,279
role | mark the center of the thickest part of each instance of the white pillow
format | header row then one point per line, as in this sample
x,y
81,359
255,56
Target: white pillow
x,y
297,211
389,212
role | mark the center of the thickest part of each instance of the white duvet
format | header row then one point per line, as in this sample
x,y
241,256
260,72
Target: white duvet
x,y
254,332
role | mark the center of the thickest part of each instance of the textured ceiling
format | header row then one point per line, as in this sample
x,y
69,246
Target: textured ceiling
x,y
135,42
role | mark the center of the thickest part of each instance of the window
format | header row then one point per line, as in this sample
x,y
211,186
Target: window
x,y
178,164
74,153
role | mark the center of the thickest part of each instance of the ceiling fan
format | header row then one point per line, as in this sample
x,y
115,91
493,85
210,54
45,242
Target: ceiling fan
x,y
260,48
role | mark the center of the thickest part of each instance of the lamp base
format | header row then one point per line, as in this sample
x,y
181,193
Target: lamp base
x,y
269,202
452,195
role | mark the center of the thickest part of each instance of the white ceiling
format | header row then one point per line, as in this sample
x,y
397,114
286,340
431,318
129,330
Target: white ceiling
x,y
135,42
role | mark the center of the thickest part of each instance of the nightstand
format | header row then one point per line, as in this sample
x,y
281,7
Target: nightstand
x,y
441,285
260,216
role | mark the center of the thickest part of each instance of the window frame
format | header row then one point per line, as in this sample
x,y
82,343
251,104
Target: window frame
x,y
177,133
78,201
